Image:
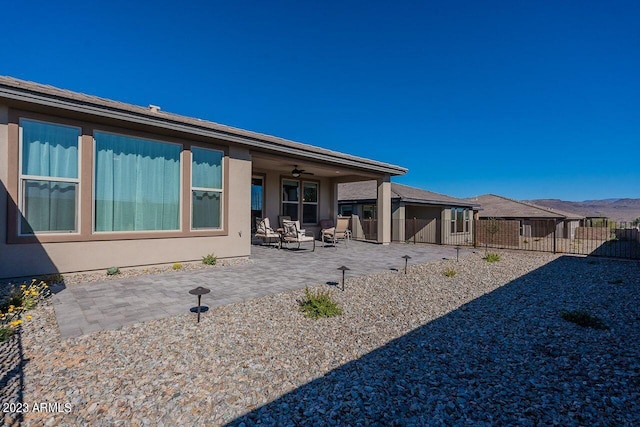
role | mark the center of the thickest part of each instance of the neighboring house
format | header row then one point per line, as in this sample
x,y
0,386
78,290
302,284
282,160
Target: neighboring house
x,y
89,183
417,215
533,220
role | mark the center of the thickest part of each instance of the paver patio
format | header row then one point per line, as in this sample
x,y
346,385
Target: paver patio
x,y
85,308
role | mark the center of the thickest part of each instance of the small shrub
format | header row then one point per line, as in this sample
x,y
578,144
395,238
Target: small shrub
x,y
492,257
449,272
583,318
525,241
209,259
177,266
112,271
5,333
319,304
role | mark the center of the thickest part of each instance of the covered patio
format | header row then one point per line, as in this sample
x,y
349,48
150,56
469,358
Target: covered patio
x,y
304,187
86,308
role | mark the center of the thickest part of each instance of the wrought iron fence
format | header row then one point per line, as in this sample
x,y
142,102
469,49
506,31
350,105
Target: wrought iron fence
x,y
614,239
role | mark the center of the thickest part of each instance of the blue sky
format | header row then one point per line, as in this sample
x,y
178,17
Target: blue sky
x,y
527,99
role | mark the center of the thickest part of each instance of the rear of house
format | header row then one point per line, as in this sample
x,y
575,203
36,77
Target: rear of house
x,y
520,221
418,215
87,183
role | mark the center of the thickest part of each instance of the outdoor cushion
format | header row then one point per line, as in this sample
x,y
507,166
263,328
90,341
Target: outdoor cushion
x,y
262,225
290,229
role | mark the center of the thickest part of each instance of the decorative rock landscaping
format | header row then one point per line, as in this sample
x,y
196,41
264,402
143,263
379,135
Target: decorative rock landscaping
x,y
485,346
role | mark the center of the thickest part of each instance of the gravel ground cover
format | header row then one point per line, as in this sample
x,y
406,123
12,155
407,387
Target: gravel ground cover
x,y
484,347
101,275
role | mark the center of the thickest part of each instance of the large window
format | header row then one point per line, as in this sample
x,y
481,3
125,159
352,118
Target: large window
x,y
309,203
290,198
206,188
49,177
293,204
137,184
369,212
459,220
346,210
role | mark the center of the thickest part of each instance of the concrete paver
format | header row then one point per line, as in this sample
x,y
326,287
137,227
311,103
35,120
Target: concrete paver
x,y
91,307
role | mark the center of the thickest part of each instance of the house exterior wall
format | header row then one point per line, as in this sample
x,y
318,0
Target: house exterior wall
x,y
52,253
449,238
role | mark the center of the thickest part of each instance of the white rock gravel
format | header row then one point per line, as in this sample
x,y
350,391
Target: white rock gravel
x,y
486,347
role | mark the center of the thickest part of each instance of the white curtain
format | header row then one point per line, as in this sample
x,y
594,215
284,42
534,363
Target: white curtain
x,y
137,184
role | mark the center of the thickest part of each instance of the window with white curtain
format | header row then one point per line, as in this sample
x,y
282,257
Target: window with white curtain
x,y
49,177
137,184
206,188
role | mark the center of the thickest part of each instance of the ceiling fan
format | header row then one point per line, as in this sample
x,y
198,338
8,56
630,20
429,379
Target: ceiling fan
x,y
297,172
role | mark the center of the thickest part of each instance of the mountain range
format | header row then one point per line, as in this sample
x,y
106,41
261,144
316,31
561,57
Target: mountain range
x,y
615,209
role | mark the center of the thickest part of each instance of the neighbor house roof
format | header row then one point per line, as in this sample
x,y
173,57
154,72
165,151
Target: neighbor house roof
x,y
367,191
493,206
21,92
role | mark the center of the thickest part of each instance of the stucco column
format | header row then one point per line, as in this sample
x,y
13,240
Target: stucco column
x,y
384,210
334,200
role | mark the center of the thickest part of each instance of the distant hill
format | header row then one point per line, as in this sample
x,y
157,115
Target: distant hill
x,y
616,209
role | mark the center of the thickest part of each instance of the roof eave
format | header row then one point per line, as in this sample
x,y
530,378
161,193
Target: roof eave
x,y
437,202
23,95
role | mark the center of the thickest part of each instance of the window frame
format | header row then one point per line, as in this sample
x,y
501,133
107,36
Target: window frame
x,y
465,219
93,182
350,206
24,177
300,202
316,203
283,202
192,188
85,191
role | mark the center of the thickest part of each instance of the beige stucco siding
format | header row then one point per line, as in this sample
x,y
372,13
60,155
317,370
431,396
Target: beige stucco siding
x,y
43,258
449,238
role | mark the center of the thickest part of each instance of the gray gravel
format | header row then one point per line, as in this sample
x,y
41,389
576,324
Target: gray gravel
x,y
485,347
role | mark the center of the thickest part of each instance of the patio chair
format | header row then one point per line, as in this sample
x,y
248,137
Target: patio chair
x,y
327,230
265,232
282,218
292,234
340,231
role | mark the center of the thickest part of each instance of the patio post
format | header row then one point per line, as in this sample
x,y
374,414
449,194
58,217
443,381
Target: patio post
x,y
384,210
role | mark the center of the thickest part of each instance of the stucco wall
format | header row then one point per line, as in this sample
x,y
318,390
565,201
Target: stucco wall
x,y
449,238
43,258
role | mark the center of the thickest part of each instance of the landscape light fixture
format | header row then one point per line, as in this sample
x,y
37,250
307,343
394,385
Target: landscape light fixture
x,y
343,268
406,261
199,291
